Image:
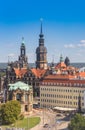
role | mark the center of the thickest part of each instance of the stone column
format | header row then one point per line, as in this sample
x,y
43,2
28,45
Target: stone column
x,y
23,101
23,97
14,96
30,102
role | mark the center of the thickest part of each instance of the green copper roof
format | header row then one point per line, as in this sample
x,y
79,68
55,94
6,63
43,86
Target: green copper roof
x,y
61,58
19,85
23,43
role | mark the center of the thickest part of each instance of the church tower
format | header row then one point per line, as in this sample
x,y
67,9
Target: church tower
x,y
41,52
22,48
22,58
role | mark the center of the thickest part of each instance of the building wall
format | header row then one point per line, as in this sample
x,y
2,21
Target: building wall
x,y
26,99
61,96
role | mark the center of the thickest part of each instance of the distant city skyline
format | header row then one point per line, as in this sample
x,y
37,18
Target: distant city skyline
x,y
63,29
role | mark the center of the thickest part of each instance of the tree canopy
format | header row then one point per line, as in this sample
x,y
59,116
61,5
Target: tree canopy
x,y
9,112
77,123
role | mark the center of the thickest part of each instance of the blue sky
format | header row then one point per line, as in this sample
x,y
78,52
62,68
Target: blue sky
x,y
63,28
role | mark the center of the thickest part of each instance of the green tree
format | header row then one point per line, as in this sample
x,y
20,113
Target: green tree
x,y
77,123
9,112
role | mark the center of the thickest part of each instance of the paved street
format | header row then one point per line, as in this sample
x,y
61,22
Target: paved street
x,y
49,117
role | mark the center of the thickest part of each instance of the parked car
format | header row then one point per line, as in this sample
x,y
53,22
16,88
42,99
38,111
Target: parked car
x,y
59,115
46,125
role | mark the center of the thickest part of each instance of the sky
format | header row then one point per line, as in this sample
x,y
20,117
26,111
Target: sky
x,y
63,28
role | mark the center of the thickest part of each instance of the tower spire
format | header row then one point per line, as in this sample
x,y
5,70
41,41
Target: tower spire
x,y
41,33
41,26
22,39
41,51
61,58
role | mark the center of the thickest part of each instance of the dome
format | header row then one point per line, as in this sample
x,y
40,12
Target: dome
x,y
41,49
19,85
23,43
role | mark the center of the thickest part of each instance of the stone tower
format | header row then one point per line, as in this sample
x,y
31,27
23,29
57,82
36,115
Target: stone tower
x,y
41,52
22,58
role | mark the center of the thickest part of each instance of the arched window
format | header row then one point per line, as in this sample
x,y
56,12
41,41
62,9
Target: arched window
x,y
18,96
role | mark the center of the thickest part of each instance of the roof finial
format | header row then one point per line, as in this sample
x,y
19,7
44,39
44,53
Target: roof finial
x,y
22,39
41,25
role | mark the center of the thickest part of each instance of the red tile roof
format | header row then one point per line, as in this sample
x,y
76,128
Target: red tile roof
x,y
20,72
60,76
81,74
61,65
38,72
52,79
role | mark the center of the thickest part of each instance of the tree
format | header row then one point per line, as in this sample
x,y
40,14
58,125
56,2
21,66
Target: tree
x,y
77,123
67,61
9,112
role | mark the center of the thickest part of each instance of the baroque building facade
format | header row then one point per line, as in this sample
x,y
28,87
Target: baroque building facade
x,y
62,92
64,88
23,93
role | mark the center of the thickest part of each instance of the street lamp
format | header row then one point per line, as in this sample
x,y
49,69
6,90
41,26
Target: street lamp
x,y
43,115
28,123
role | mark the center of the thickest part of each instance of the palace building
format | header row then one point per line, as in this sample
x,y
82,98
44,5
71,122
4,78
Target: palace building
x,y
60,92
64,89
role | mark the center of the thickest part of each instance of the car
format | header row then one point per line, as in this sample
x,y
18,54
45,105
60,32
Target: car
x,y
58,114
46,125
36,106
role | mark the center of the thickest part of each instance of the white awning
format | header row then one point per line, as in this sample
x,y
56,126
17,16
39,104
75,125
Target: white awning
x,y
64,109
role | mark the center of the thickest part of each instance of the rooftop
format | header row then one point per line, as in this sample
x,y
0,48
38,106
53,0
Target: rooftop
x,y
20,72
38,72
19,85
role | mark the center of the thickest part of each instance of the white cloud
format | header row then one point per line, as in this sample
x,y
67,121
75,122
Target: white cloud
x,y
81,45
69,46
82,41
